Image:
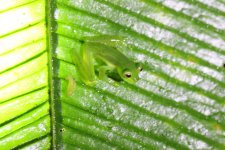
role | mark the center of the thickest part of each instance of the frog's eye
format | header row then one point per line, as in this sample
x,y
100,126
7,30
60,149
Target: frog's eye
x,y
140,68
127,74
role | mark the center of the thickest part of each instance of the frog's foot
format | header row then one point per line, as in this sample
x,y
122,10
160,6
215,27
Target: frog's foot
x,y
90,82
71,85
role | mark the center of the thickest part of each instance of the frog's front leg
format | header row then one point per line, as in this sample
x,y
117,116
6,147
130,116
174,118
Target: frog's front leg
x,y
102,72
106,73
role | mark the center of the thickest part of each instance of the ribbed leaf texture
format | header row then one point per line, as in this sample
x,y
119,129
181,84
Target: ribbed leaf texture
x,y
24,106
178,103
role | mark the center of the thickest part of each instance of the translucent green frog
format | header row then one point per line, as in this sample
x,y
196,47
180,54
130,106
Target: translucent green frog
x,y
100,56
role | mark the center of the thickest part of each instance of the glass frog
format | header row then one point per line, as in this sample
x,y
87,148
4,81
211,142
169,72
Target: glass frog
x,y
100,56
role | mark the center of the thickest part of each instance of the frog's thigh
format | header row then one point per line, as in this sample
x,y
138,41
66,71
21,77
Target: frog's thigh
x,y
75,56
87,69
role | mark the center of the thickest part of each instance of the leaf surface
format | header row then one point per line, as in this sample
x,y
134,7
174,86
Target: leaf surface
x,y
24,99
178,103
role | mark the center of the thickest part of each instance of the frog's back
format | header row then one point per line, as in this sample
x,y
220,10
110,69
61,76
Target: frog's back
x,y
109,54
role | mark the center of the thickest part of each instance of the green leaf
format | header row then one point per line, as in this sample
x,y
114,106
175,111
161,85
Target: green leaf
x,y
24,97
178,103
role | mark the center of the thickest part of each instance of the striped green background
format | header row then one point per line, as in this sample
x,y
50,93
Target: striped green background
x,y
177,104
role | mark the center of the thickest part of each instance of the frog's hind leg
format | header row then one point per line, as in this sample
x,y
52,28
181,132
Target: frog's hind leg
x,y
87,65
76,57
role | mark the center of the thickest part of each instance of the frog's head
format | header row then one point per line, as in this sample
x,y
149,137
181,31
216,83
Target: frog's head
x,y
131,74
